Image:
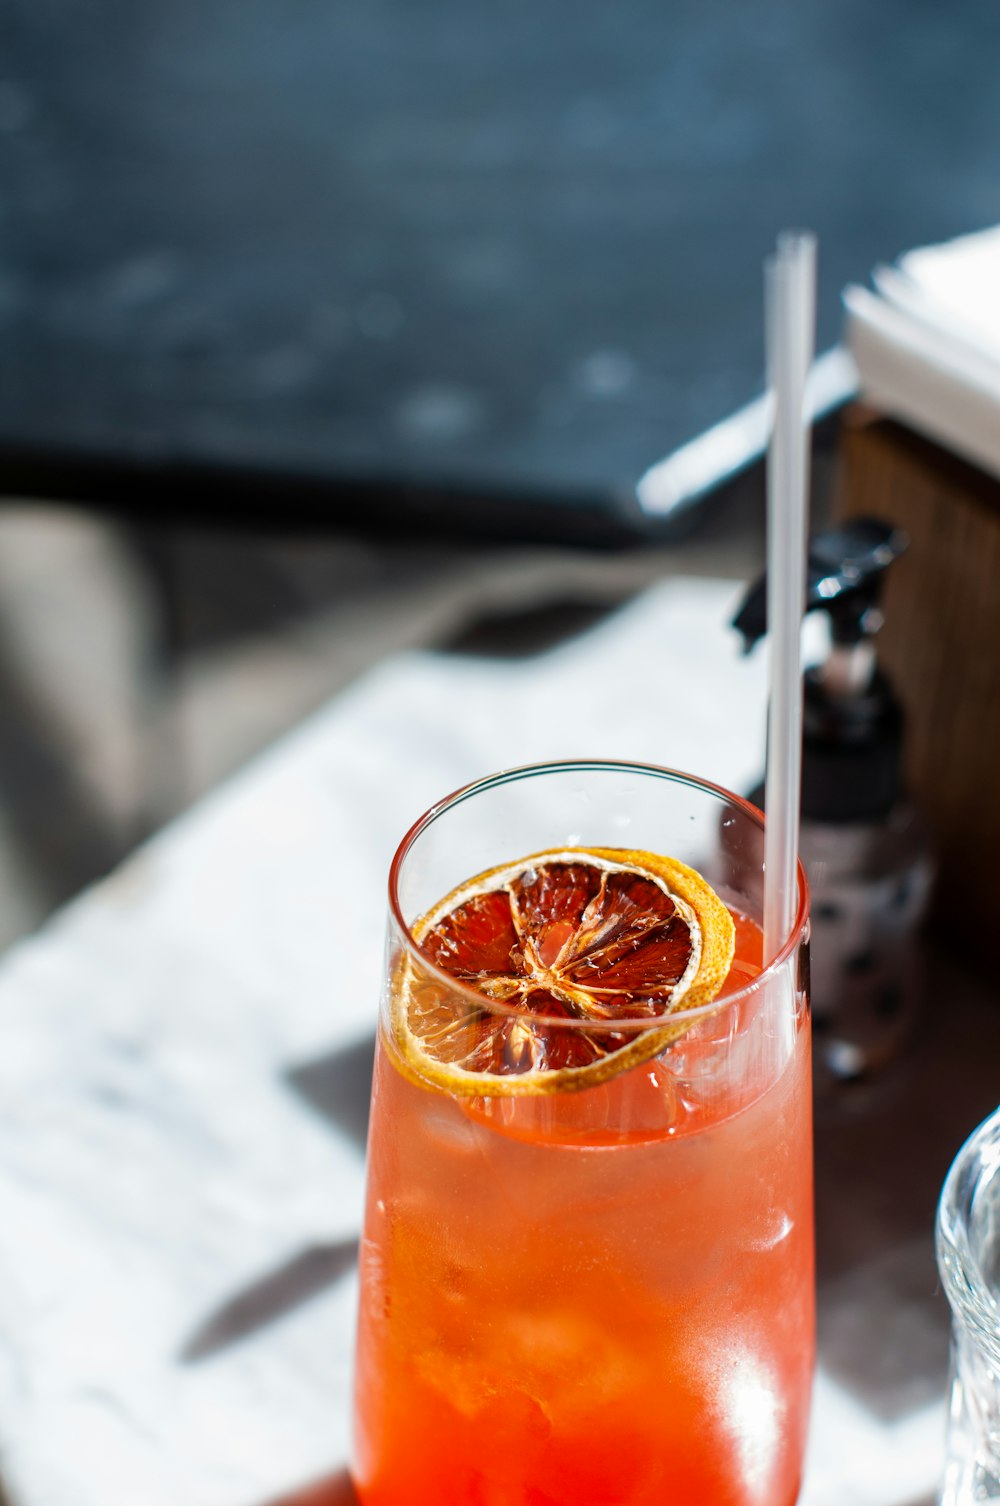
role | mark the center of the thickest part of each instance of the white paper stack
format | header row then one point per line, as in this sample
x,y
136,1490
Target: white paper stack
x,y
926,343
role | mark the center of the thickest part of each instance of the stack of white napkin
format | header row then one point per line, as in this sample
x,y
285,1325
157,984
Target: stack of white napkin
x,y
927,343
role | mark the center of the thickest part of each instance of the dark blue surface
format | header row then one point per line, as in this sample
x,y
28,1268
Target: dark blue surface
x,y
502,246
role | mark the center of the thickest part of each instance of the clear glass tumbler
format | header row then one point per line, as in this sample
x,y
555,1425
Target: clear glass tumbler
x,y
605,1295
968,1256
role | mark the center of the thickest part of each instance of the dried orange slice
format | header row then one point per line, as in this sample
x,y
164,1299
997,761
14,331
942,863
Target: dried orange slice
x,y
591,935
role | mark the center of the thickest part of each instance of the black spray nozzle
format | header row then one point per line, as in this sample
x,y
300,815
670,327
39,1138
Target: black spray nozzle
x,y
844,574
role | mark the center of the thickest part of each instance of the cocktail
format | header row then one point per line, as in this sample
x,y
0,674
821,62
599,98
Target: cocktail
x,y
587,1264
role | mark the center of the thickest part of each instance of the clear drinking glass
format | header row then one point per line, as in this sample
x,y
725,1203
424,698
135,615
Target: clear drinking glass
x,y
579,1298
968,1256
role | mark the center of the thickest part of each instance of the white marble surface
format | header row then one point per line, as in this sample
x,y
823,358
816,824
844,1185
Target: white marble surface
x,y
153,1158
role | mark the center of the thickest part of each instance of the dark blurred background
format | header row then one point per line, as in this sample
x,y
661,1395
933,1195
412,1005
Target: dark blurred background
x,y
317,320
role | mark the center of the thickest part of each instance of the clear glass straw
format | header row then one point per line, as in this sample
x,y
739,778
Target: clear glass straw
x,y
790,310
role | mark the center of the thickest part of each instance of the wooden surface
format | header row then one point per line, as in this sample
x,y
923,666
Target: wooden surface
x,y
939,646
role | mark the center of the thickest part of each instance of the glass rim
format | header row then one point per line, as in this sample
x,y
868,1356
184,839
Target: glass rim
x,y
965,1286
630,1024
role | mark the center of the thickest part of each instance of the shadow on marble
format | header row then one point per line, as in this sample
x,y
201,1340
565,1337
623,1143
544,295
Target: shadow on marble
x,y
527,631
273,1295
339,1087
883,1149
336,1491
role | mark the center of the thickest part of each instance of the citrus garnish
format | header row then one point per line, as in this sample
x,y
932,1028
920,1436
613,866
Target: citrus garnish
x,y
586,935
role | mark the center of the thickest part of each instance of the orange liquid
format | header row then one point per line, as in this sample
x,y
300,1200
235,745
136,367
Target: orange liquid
x,y
593,1298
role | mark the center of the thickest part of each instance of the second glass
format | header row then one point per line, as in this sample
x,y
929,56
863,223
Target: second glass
x,y
968,1255
578,1298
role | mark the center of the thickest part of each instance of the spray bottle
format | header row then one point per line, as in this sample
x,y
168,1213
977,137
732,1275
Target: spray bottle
x,y
863,845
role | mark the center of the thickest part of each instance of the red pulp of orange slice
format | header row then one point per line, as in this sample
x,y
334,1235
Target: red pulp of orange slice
x,y
559,947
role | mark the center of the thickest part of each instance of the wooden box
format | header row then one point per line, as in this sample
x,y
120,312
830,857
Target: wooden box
x,y
940,647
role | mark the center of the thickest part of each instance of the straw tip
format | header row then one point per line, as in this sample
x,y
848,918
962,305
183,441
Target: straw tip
x,y
796,242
